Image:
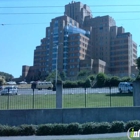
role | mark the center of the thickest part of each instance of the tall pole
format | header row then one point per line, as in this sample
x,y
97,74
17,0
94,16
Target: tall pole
x,y
56,66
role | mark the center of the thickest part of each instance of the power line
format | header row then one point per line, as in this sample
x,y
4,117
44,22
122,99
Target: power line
x,y
3,24
63,6
62,13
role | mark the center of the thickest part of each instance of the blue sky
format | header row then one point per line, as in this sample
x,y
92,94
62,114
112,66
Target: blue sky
x,y
21,33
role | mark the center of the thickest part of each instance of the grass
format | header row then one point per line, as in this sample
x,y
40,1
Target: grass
x,y
118,138
69,101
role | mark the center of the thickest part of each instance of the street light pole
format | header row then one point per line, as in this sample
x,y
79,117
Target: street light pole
x,y
56,65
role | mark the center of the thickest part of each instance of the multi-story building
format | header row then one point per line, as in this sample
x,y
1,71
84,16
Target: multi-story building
x,y
77,41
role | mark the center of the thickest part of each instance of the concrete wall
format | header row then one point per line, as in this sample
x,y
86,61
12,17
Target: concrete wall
x,y
81,115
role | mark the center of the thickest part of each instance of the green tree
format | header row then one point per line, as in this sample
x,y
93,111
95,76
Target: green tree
x,y
87,83
100,79
138,63
138,66
7,76
126,79
63,76
92,80
83,74
114,81
2,81
52,76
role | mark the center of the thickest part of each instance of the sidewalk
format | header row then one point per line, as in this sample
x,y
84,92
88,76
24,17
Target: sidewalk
x,y
95,136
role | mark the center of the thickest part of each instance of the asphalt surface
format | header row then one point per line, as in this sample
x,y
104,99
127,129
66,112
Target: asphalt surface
x,y
72,137
69,91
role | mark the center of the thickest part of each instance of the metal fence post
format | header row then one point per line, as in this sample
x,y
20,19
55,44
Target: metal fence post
x,y
8,101
59,90
33,98
85,97
110,94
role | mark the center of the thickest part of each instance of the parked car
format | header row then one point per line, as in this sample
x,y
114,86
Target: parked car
x,y
125,87
11,83
32,82
11,90
22,82
1,88
44,85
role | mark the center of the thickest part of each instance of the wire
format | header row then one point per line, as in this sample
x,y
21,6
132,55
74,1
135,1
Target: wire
x,y
3,24
62,13
63,6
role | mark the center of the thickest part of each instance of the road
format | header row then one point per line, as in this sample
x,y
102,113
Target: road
x,y
70,91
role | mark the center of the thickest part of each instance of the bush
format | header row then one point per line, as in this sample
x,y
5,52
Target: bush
x,y
100,80
134,123
27,130
59,129
126,79
107,82
45,129
69,129
89,128
74,128
117,126
80,83
104,127
8,130
70,84
87,83
114,81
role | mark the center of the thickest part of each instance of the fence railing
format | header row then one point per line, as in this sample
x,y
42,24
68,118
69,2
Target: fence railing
x,y
71,98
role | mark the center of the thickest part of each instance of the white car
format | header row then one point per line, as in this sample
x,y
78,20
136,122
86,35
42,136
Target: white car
x,y
22,82
11,83
44,85
10,90
125,87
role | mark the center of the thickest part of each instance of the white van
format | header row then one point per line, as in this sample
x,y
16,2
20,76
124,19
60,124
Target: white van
x,y
125,87
44,85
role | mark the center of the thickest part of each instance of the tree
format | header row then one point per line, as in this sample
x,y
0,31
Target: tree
x,y
100,79
52,76
114,81
126,79
87,83
7,76
83,74
138,63
2,81
63,76
138,66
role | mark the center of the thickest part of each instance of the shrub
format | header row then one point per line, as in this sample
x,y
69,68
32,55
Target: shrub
x,y
45,129
26,130
70,84
80,83
134,123
59,129
117,126
87,83
107,82
90,128
100,79
114,81
74,128
104,127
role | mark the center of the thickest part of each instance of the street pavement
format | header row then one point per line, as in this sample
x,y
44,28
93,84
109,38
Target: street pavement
x,y
71,137
69,91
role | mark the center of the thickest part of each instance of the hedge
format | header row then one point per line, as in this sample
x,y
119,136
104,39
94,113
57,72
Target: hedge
x,y
68,129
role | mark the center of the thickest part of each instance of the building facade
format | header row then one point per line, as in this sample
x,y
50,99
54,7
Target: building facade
x,y
78,41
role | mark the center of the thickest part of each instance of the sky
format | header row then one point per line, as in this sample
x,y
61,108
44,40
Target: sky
x,y
20,33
